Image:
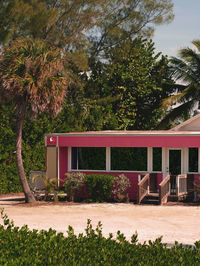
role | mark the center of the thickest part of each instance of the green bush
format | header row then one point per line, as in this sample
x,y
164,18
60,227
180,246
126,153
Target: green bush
x,y
73,184
99,186
22,246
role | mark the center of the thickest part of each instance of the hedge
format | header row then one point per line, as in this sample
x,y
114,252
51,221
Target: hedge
x,y
99,187
22,246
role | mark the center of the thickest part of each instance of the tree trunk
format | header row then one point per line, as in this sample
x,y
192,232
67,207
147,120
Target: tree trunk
x,y
26,189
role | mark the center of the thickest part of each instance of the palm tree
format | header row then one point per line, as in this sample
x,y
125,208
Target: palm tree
x,y
31,76
185,68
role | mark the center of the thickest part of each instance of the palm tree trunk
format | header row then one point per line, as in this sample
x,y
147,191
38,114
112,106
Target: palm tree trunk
x,y
26,189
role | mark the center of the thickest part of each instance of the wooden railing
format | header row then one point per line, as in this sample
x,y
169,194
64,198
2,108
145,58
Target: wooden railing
x,y
143,187
182,185
164,189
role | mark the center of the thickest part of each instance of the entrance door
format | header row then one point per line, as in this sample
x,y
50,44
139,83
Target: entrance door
x,y
175,167
175,161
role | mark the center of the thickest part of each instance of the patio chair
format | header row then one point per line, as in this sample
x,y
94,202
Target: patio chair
x,y
37,184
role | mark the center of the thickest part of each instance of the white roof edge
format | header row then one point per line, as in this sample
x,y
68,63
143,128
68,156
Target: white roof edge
x,y
179,133
176,128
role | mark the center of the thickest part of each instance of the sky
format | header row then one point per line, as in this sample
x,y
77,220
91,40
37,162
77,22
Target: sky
x,y
185,27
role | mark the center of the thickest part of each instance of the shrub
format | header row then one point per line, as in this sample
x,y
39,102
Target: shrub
x,y
120,186
22,246
99,186
73,184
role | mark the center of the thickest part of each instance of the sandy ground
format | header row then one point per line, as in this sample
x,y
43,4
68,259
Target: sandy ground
x,y
174,223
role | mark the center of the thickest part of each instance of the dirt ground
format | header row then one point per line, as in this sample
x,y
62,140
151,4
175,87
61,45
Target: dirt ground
x,y
174,223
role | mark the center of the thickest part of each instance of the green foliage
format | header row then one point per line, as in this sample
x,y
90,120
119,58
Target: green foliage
x,y
133,80
120,186
73,184
8,180
76,24
22,246
137,79
33,146
99,186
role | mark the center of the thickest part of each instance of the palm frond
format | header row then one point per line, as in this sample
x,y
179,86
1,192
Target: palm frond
x,y
183,71
172,99
196,43
176,113
32,72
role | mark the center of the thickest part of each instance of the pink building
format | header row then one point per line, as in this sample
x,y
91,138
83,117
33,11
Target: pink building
x,y
158,163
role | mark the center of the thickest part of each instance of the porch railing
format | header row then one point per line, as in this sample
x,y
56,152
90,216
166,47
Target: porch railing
x,y
143,187
181,184
164,189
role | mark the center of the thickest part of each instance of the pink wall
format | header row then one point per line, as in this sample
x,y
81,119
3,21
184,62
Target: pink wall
x,y
63,163
129,141
159,179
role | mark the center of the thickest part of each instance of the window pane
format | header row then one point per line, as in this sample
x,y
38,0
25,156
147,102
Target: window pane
x,y
74,158
157,159
131,159
89,158
193,159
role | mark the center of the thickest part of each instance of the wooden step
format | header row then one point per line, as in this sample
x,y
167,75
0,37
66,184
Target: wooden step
x,y
151,198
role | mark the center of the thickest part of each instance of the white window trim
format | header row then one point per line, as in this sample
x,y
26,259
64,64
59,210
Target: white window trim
x,y
58,162
69,158
108,159
165,169
149,159
111,171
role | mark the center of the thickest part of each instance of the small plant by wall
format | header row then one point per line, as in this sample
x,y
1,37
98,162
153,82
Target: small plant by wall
x,y
99,187
121,184
73,184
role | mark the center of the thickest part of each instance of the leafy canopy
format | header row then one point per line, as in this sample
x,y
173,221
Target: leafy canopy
x,y
134,76
75,24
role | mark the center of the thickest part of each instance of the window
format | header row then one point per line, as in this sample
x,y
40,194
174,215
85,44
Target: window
x,y
131,159
88,158
193,159
157,159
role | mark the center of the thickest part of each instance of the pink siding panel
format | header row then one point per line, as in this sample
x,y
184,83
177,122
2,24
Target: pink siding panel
x,y
129,141
63,163
159,179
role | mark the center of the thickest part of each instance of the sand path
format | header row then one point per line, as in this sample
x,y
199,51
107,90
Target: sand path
x,y
179,223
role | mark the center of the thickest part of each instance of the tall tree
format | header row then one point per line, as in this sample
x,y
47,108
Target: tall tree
x,y
75,24
31,75
134,76
185,70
